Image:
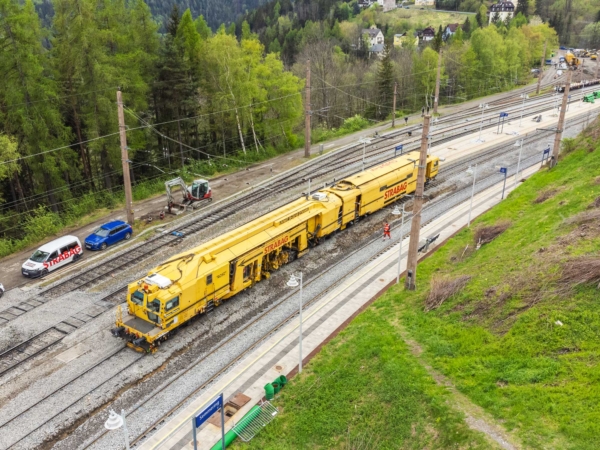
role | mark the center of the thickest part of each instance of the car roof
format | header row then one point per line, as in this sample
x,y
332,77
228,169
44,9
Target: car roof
x,y
113,224
57,243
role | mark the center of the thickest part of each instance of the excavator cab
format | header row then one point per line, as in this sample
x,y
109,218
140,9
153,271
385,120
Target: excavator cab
x,y
199,189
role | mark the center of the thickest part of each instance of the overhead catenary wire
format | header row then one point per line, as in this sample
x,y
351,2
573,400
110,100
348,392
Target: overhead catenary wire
x,y
41,195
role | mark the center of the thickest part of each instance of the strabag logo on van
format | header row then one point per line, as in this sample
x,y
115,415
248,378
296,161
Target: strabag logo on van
x,y
66,255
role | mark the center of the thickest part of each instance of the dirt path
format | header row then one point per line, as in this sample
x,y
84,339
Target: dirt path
x,y
475,416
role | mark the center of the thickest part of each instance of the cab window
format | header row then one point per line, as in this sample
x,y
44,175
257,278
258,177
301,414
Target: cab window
x,y
247,272
64,250
53,255
209,279
173,303
138,298
73,246
154,305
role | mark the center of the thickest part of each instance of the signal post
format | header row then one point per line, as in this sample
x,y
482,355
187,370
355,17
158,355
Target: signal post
x,y
413,245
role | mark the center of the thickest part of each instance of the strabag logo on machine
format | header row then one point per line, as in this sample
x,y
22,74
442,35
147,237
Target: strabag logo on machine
x,y
66,255
395,190
276,244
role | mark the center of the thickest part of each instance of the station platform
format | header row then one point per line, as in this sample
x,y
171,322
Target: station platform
x,y
279,354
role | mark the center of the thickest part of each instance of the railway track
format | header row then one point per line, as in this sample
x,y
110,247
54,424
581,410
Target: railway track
x,y
171,382
447,202
9,359
49,402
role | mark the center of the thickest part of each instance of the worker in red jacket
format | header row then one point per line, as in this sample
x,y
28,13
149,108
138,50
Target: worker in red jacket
x,y
386,231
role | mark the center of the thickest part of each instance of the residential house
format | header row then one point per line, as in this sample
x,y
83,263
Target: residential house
x,y
389,5
373,35
502,11
450,30
427,34
424,2
365,3
377,50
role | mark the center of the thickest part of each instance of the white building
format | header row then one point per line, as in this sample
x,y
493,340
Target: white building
x,y
424,2
373,35
502,11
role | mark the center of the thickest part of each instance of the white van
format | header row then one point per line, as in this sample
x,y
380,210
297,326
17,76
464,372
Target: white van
x,y
52,255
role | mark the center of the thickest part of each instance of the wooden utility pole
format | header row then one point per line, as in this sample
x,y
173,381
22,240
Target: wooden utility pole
x,y
537,91
413,245
561,120
437,83
394,105
307,113
125,160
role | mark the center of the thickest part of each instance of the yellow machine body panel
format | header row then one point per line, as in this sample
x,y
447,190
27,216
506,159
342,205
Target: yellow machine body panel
x,y
198,279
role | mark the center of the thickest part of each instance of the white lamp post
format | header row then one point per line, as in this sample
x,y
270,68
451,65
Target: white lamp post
x,y
293,282
524,97
116,421
364,142
519,143
397,212
472,171
483,107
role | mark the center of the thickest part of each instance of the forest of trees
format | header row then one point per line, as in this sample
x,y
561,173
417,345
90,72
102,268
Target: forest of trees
x,y
199,101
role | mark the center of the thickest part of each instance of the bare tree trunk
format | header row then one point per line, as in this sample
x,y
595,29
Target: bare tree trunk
x,y
253,132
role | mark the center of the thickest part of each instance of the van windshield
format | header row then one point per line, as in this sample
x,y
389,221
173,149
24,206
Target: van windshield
x,y
39,256
101,232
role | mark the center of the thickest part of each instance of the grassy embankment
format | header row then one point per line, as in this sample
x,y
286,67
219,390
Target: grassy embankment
x,y
521,339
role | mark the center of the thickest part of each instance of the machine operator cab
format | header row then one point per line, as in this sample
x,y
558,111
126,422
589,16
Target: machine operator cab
x,y
144,302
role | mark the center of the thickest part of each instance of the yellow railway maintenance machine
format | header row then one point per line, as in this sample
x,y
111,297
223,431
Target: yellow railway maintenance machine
x,y
195,281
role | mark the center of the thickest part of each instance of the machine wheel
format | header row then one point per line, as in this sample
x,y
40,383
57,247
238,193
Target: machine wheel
x,y
44,273
103,246
76,258
209,200
1,294
128,236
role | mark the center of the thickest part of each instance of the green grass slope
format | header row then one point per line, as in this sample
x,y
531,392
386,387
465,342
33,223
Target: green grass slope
x,y
521,339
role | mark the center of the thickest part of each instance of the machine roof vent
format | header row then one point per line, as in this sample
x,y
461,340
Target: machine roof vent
x,y
320,196
158,280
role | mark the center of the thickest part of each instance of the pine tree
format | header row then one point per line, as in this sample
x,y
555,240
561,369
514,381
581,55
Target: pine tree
x,y
30,112
174,91
523,8
385,83
436,44
203,28
467,27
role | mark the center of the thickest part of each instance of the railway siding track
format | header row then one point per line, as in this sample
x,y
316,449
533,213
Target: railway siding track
x,y
432,212
8,361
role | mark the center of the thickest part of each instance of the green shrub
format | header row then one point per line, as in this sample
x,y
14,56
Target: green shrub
x,y
41,223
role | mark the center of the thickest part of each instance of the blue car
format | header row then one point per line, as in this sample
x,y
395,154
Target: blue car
x,y
108,234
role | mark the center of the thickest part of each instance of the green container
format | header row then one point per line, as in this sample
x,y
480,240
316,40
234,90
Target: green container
x,y
269,391
230,435
597,94
282,380
276,387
